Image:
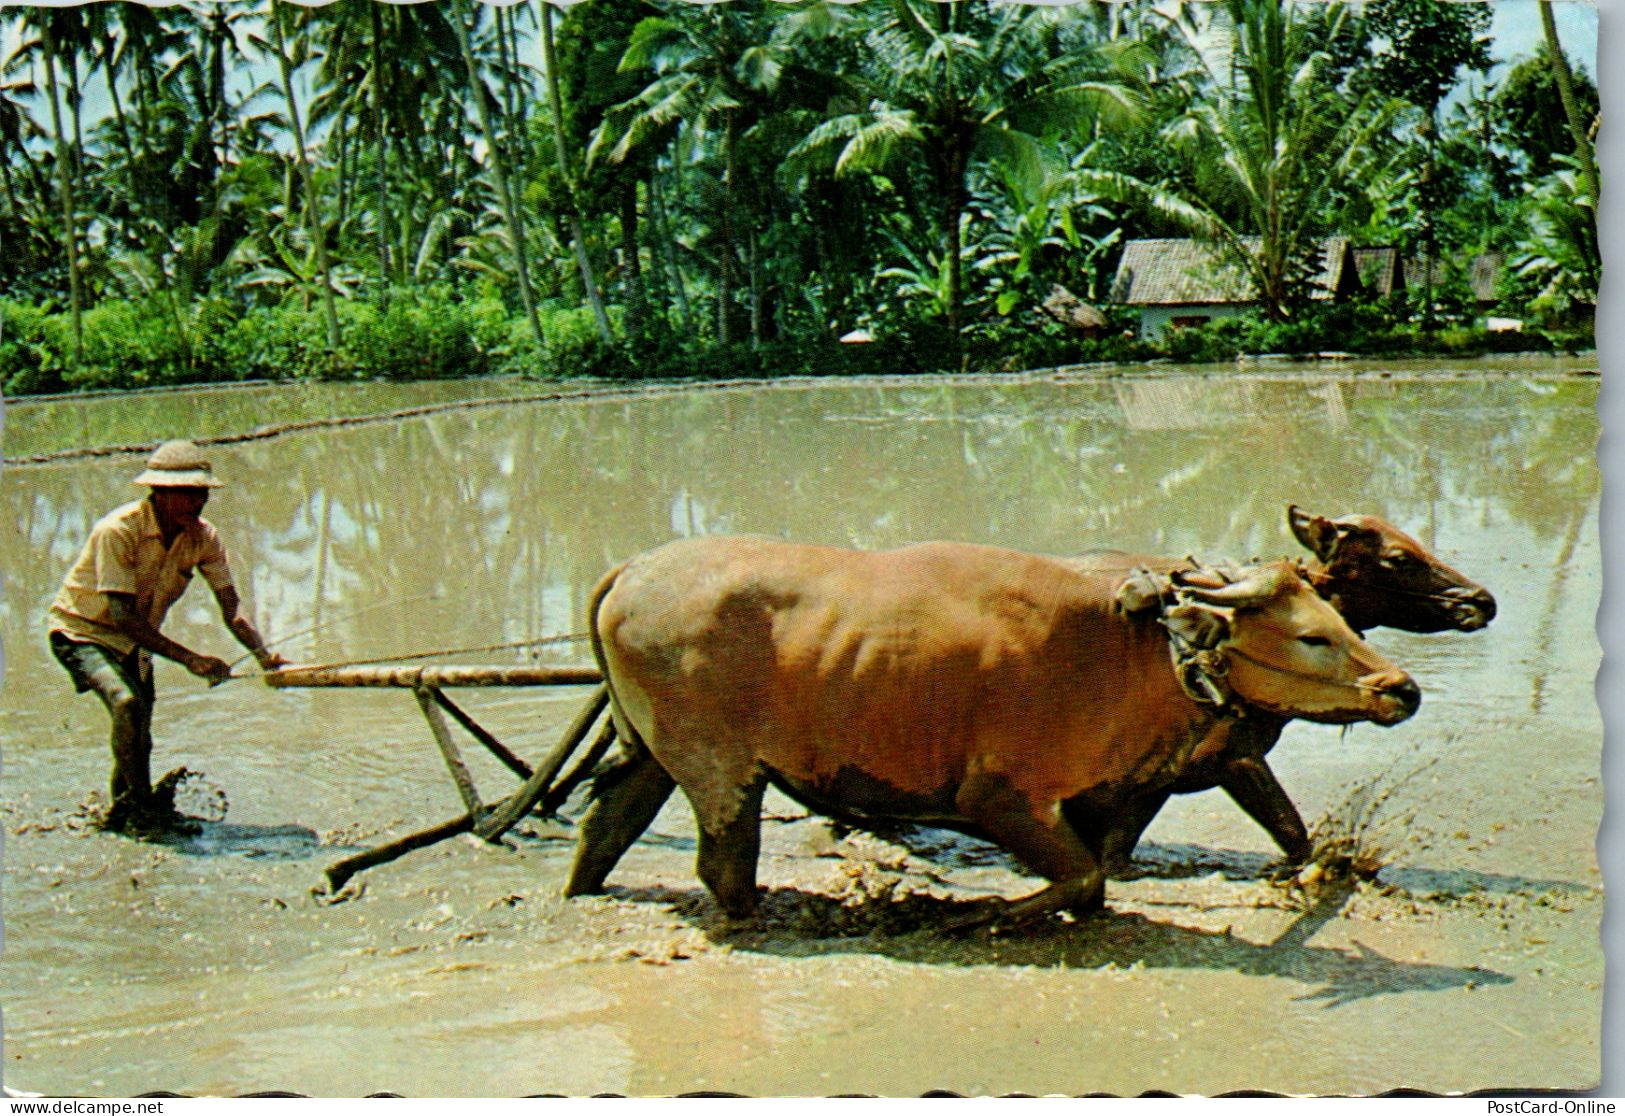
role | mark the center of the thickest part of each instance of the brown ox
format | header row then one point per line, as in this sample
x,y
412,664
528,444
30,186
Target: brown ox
x,y
1376,576
994,692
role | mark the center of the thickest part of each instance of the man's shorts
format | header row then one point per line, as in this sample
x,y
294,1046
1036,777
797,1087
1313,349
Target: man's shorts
x,y
94,667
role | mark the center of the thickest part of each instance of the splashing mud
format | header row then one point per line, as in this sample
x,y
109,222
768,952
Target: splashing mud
x,y
1356,838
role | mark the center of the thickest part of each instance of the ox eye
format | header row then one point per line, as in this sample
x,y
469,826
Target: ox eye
x,y
1315,641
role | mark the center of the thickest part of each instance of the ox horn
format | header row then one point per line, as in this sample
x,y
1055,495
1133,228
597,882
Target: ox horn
x,y
1142,591
1257,584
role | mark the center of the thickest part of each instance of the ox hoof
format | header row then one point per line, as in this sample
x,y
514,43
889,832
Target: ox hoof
x,y
729,923
982,918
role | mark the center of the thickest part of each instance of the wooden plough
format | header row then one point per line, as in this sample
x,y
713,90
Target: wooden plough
x,y
542,788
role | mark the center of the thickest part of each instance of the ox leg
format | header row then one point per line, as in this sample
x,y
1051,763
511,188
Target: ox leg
x,y
1122,836
730,843
1041,838
626,799
1253,786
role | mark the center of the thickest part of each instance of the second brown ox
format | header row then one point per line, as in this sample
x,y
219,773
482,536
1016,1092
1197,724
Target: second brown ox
x,y
998,693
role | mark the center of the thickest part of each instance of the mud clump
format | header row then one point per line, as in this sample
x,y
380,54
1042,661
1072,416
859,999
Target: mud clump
x,y
191,794
181,802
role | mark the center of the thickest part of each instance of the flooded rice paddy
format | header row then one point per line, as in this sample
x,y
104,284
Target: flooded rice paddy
x,y
206,965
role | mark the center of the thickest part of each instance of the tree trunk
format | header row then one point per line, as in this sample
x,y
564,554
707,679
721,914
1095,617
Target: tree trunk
x,y
1578,129
380,143
510,208
121,126
313,211
65,173
218,122
726,277
631,266
668,253
1430,245
513,105
589,277
756,293
953,209
75,104
346,157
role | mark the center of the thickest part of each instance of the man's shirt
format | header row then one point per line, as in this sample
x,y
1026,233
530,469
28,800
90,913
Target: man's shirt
x,y
126,554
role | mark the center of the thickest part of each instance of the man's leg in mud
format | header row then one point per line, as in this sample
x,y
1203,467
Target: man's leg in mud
x,y
127,697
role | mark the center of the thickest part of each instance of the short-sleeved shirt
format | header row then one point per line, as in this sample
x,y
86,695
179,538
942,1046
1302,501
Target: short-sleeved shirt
x,y
126,554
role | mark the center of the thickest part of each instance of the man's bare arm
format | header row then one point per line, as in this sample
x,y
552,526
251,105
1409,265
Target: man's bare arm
x,y
128,621
245,631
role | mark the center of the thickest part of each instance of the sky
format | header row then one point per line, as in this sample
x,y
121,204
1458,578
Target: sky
x,y
1515,30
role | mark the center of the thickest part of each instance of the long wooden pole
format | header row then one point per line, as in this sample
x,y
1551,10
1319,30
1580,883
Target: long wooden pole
x,y
413,677
496,747
578,774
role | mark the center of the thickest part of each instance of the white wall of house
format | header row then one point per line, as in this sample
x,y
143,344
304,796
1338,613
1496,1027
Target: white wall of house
x,y
1155,319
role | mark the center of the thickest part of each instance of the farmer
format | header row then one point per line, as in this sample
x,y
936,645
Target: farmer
x,y
105,619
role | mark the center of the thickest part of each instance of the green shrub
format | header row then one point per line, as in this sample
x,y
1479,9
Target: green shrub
x,y
126,344
420,335
283,342
28,364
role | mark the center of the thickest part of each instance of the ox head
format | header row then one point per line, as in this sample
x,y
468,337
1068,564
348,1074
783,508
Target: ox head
x,y
1277,646
1377,576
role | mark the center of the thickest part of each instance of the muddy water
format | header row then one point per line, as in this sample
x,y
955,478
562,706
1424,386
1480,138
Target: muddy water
x,y
206,966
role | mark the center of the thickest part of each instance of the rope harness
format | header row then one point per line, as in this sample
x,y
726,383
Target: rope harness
x,y
1203,673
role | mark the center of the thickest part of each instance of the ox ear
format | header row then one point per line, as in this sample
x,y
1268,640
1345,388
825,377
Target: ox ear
x,y
1315,532
1201,626
1333,539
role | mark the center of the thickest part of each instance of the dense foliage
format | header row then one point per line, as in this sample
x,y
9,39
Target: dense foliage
x,y
208,192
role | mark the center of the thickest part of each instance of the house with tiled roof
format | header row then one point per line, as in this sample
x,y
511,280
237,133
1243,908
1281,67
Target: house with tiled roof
x,y
1482,272
1183,282
1381,269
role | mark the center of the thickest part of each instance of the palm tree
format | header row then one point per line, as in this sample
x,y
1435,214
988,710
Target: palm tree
x,y
1580,129
1271,146
697,58
286,61
961,85
499,172
70,218
589,278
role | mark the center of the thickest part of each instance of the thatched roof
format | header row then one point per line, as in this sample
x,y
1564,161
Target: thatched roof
x,y
1184,272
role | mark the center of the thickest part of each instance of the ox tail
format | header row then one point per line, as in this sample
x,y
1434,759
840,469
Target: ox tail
x,y
616,766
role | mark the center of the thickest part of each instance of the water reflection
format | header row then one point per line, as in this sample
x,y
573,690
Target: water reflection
x,y
469,528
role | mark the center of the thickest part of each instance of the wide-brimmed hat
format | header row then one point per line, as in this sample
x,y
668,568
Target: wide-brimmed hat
x,y
178,464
